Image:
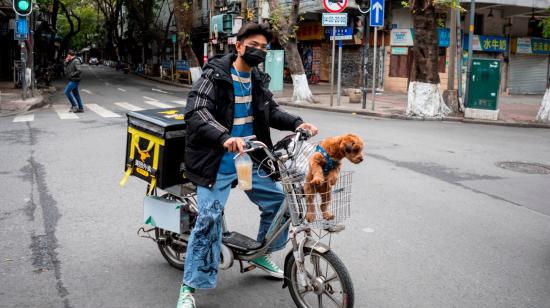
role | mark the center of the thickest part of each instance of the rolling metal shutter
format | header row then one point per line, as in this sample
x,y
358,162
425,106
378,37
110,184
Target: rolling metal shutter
x,y
528,74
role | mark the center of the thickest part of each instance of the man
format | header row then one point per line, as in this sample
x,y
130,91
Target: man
x,y
72,71
230,101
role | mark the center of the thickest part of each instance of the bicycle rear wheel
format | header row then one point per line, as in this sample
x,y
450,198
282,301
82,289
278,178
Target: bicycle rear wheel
x,y
327,274
172,247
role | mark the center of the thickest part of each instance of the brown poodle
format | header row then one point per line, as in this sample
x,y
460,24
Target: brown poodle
x,y
324,168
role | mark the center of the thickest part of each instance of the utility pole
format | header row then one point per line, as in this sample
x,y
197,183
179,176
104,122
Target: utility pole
x,y
452,52
470,49
365,51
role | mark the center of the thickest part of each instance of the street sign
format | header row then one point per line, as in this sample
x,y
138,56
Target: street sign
x,y
335,19
335,6
342,33
21,28
377,13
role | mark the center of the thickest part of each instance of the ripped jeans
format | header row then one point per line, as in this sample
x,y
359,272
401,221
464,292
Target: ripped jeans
x,y
203,250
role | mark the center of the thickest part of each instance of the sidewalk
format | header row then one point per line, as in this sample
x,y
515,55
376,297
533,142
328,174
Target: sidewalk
x,y
515,110
11,101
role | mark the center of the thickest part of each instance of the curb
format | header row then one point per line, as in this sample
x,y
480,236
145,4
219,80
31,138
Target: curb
x,y
164,81
42,100
404,117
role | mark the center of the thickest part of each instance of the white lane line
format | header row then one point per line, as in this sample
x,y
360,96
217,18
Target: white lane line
x,y
158,104
87,91
368,230
149,98
157,90
63,112
183,103
24,118
102,111
128,106
122,90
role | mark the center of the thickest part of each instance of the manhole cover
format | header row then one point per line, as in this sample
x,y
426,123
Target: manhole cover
x,y
530,168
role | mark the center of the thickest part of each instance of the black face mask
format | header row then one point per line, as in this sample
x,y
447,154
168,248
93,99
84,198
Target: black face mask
x,y
253,56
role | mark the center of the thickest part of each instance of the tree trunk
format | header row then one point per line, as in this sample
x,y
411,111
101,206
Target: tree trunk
x,y
544,111
286,32
183,15
55,11
424,98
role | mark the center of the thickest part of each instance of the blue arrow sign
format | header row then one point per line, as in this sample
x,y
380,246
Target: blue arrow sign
x,y
377,13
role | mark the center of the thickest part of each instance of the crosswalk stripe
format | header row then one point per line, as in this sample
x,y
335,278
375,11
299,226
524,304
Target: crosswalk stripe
x,y
63,112
158,90
122,90
149,98
183,103
158,104
87,91
24,118
128,106
102,111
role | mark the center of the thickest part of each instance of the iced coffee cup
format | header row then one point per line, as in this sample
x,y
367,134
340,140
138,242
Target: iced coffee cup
x,y
243,164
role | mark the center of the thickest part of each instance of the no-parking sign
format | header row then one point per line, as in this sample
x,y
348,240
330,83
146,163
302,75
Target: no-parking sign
x,y
335,6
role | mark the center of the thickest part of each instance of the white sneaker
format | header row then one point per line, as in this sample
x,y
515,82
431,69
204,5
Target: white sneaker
x,y
186,299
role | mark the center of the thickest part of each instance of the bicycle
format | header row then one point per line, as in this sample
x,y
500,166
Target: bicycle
x,y
312,270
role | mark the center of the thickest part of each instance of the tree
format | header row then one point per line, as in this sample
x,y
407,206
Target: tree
x,y
112,11
183,13
544,112
285,25
70,29
424,98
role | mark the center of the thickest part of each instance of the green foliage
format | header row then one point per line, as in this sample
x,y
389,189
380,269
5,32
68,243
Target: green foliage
x,y
455,4
545,23
88,21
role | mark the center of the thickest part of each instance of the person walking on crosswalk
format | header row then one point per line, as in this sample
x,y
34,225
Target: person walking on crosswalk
x,y
73,72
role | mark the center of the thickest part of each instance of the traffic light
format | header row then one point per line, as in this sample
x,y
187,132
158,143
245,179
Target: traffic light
x,y
22,7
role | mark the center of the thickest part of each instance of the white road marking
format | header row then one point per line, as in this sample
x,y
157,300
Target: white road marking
x,y
183,103
158,104
157,90
102,111
128,106
87,91
107,84
121,90
24,118
63,112
368,230
149,98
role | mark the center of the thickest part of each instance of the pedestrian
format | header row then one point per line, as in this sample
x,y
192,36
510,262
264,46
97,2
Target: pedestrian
x,y
73,72
228,102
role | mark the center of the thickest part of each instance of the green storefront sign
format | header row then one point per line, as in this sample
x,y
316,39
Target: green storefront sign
x,y
484,84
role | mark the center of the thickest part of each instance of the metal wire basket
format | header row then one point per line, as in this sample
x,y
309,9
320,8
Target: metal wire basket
x,y
336,211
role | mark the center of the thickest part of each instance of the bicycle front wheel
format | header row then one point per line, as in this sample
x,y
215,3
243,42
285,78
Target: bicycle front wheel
x,y
329,278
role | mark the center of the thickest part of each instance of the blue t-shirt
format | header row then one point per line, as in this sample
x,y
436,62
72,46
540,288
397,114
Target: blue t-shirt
x,y
243,117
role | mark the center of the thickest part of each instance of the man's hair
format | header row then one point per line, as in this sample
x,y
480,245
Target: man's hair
x,y
252,28
71,53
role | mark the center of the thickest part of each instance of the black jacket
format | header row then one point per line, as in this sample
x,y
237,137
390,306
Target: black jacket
x,y
209,116
72,71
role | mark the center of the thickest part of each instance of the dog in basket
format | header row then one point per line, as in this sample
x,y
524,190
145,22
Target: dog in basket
x,y
324,168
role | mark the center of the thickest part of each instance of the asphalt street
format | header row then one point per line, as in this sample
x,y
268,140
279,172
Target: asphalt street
x,y
435,221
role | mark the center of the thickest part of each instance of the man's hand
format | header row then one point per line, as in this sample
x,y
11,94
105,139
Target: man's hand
x,y
234,144
309,127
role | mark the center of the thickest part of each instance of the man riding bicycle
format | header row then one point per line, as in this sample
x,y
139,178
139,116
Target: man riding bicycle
x,y
228,102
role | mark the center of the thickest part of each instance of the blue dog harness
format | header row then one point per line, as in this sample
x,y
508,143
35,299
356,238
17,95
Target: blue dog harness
x,y
329,162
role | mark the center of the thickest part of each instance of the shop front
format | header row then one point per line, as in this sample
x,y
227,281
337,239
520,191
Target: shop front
x,y
529,66
398,66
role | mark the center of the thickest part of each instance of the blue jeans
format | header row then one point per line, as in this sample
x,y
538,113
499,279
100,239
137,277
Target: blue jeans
x,y
72,93
203,250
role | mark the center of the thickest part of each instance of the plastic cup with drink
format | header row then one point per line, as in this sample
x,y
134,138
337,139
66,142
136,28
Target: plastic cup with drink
x,y
243,164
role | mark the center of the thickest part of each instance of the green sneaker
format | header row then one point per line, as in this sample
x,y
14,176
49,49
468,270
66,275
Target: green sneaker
x,y
186,299
266,263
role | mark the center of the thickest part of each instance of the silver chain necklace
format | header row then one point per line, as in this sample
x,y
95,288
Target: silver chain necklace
x,y
242,85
